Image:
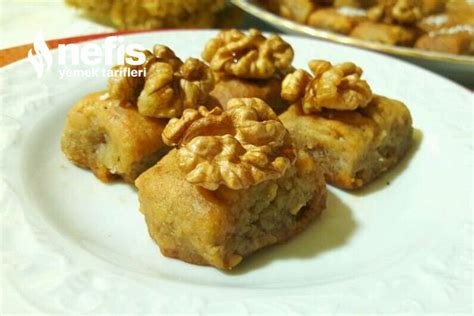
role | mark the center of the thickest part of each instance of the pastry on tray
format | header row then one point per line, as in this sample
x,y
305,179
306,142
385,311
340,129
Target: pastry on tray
x,y
342,20
233,184
297,10
355,135
110,139
390,22
385,33
455,40
151,14
117,133
248,65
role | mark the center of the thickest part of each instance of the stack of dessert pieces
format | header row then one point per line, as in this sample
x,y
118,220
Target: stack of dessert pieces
x,y
231,153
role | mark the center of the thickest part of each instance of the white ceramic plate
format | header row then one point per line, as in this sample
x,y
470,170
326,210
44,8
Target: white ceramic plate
x,y
73,244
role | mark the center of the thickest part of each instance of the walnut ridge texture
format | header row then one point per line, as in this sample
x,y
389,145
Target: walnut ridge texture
x,y
338,87
248,65
250,145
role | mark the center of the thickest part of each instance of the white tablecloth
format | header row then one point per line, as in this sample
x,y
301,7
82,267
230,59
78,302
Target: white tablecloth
x,y
21,20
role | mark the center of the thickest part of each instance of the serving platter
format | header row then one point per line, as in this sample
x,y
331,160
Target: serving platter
x,y
71,244
457,67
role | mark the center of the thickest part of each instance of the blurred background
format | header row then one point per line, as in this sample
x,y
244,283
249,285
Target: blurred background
x,y
435,34
22,19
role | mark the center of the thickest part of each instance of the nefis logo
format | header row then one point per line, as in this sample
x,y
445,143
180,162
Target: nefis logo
x,y
112,51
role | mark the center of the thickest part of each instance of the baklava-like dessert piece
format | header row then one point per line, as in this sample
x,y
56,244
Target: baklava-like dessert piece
x,y
117,133
234,183
154,14
111,139
341,20
454,40
385,33
354,135
296,10
248,66
391,22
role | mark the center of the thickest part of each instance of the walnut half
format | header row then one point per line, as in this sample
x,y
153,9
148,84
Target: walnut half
x,y
168,87
128,88
251,56
238,148
337,87
167,91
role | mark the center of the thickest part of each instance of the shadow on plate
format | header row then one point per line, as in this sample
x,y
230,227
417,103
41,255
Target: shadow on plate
x,y
390,177
332,230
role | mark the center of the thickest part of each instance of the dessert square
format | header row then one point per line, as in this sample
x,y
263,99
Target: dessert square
x,y
112,140
385,33
234,184
220,228
353,147
117,133
341,20
455,43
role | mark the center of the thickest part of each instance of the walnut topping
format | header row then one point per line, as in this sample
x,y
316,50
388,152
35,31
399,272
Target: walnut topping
x,y
168,92
294,85
251,56
126,87
164,53
168,87
238,148
397,11
337,87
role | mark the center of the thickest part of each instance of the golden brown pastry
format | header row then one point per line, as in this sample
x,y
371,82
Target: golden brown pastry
x,y
455,40
390,22
117,133
432,6
230,87
385,33
112,140
354,3
248,65
354,135
151,14
461,11
234,184
297,10
341,20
